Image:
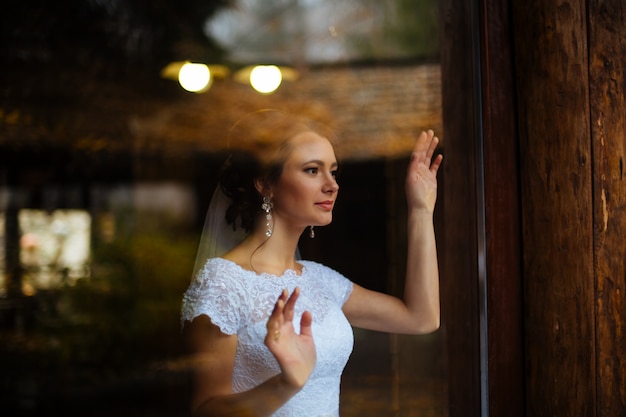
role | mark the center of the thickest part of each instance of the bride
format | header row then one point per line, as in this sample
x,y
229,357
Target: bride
x,y
270,333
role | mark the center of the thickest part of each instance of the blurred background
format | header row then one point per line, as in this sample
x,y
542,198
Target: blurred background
x,y
108,160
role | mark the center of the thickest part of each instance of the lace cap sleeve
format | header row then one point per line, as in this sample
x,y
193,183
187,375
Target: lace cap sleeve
x,y
218,294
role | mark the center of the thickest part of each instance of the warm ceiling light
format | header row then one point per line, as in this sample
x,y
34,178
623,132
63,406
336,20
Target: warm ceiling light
x,y
194,77
265,78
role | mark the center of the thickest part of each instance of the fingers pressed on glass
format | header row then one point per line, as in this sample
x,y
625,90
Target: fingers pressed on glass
x,y
433,145
294,295
305,323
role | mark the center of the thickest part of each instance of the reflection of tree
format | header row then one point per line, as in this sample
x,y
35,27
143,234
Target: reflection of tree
x,y
410,28
54,247
325,31
119,321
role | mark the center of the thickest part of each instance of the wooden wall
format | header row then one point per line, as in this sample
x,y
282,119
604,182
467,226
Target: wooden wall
x,y
557,206
570,80
570,72
552,145
607,86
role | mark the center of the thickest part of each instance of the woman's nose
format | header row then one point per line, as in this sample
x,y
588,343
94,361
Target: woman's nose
x,y
332,185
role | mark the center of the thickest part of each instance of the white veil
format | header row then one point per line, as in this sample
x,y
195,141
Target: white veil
x,y
218,237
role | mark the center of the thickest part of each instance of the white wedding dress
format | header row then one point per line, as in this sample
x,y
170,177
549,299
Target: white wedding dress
x,y
239,302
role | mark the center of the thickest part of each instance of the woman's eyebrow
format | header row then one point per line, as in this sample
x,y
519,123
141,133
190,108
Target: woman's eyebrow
x,y
321,163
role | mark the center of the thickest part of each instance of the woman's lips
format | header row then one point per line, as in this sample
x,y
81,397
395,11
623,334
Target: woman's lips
x,y
326,205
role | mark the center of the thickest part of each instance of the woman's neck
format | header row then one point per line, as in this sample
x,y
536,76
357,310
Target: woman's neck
x,y
273,255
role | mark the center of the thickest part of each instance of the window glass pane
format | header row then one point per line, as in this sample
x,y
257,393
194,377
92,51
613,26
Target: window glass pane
x,y
107,167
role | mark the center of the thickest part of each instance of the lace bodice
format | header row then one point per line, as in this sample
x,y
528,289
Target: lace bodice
x,y
240,302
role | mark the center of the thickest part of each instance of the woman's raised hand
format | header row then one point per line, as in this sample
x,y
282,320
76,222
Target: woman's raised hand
x,y
294,352
421,179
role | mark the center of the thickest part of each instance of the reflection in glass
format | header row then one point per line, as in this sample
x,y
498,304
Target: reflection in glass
x,y
265,78
326,31
194,77
134,159
54,248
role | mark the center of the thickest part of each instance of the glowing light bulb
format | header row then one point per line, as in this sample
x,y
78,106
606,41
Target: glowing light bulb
x,y
265,78
194,77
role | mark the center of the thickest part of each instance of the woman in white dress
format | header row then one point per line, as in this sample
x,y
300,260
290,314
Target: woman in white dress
x,y
269,333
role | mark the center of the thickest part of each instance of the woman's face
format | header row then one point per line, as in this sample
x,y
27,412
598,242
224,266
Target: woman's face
x,y
306,190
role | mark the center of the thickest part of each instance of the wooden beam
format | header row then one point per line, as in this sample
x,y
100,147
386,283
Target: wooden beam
x,y
458,250
556,189
607,73
502,215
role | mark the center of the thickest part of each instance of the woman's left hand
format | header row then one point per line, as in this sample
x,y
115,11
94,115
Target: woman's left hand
x,y
295,353
421,178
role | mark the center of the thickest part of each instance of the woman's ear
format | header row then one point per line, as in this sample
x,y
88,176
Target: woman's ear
x,y
262,187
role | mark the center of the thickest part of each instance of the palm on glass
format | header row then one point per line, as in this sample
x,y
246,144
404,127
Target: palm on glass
x,y
294,352
421,179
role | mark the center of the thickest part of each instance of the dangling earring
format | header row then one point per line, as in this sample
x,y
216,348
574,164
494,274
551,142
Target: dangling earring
x,y
267,207
311,232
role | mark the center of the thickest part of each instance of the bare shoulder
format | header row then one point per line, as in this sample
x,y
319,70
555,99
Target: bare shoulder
x,y
211,357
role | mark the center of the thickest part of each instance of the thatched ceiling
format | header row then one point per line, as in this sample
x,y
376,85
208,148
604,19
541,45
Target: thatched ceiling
x,y
376,111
